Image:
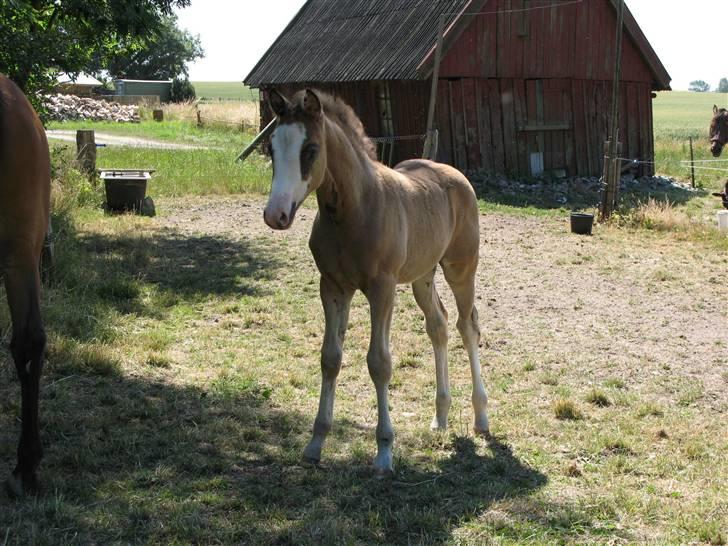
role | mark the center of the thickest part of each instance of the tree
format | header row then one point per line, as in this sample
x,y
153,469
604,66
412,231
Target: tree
x,y
42,37
723,86
161,55
699,86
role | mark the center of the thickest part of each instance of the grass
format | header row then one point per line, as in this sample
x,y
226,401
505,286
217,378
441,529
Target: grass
x,y
182,381
678,116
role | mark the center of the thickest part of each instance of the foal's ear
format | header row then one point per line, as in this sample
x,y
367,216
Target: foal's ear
x,y
311,103
715,110
278,103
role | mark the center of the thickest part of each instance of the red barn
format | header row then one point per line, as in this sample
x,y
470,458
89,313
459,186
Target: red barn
x,y
524,85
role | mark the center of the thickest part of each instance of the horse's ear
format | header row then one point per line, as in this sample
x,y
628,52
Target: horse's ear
x,y
715,110
311,103
278,103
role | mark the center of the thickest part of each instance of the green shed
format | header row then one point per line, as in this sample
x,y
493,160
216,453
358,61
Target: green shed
x,y
158,88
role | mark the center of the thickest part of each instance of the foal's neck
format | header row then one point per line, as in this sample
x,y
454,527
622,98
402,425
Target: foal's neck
x,y
349,174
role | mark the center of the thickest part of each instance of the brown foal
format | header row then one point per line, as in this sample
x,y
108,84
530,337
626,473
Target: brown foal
x,y
24,205
376,227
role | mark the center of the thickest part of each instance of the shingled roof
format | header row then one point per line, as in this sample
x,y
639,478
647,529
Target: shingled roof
x,y
364,40
355,40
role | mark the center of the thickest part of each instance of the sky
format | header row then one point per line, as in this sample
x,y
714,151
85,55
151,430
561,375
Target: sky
x,y
687,36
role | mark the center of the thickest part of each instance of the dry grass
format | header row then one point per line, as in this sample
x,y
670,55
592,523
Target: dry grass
x,y
661,216
245,114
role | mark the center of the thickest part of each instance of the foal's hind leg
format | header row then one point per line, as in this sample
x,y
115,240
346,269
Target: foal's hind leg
x,y
27,347
436,324
336,302
461,278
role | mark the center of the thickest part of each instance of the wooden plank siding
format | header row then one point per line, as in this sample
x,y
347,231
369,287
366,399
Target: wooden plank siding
x,y
500,130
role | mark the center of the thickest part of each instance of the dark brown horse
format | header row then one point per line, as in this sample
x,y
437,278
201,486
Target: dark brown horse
x,y
24,205
718,130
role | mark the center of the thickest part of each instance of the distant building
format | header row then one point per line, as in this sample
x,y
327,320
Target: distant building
x,y
144,89
82,85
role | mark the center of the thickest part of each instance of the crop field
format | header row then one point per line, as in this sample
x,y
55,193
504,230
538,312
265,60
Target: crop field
x,y
182,375
224,91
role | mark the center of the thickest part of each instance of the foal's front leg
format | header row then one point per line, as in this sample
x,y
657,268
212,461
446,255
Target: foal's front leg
x,y
336,302
379,361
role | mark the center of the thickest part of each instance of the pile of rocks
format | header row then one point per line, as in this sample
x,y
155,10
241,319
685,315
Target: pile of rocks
x,y
568,190
71,107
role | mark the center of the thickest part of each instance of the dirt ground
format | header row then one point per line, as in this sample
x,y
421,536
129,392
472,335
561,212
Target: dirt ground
x,y
642,308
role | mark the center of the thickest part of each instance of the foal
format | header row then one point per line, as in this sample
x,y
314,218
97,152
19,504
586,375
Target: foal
x,y
376,227
24,204
718,130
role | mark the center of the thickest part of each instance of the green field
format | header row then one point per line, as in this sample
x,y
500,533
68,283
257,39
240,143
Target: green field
x,y
225,91
679,116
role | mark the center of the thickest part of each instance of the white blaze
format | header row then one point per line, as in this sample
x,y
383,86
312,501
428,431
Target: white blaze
x,y
288,186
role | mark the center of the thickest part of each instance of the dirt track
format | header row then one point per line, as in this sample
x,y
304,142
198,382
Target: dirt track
x,y
643,308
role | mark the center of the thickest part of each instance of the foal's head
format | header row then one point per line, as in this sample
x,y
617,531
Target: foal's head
x,y
718,130
298,153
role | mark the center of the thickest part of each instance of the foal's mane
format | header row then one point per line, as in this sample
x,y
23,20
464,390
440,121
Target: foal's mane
x,y
343,115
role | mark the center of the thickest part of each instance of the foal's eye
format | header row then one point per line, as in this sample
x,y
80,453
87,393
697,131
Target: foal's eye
x,y
310,152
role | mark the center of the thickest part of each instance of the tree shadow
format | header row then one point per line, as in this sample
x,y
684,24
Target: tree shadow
x,y
137,461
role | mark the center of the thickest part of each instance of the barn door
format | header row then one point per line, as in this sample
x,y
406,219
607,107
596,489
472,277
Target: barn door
x,y
548,128
385,144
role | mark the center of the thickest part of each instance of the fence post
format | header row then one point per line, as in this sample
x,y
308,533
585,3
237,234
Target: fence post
x,y
86,152
692,163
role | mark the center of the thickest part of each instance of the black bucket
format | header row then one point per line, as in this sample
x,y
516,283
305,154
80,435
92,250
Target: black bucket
x,y
581,223
125,190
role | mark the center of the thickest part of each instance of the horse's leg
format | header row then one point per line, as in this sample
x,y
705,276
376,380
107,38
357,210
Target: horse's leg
x,y
22,285
336,302
461,278
379,361
436,323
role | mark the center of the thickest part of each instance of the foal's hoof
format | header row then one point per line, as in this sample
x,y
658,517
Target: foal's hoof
x,y
482,432
17,487
384,473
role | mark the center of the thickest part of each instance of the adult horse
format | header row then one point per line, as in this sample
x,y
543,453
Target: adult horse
x,y
376,227
718,130
24,204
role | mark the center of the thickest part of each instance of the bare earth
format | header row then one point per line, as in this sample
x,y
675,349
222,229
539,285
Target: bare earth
x,y
644,308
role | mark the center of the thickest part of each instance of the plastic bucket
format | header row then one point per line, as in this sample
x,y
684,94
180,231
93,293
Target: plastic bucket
x,y
723,221
581,223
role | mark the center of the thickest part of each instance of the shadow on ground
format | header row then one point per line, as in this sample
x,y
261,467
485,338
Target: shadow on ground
x,y
560,194
137,461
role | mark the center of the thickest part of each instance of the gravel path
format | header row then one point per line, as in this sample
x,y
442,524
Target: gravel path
x,y
645,308
107,139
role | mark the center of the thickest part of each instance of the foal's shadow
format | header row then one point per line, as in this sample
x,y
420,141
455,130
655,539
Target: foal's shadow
x,y
419,505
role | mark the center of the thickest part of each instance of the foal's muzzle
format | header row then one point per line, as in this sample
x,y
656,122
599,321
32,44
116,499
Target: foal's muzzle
x,y
277,218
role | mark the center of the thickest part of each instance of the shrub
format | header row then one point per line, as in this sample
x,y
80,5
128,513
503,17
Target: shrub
x,y
182,90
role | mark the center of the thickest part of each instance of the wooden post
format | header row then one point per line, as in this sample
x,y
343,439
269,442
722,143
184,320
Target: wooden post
x,y
158,114
86,152
263,134
692,163
612,183
430,147
199,117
